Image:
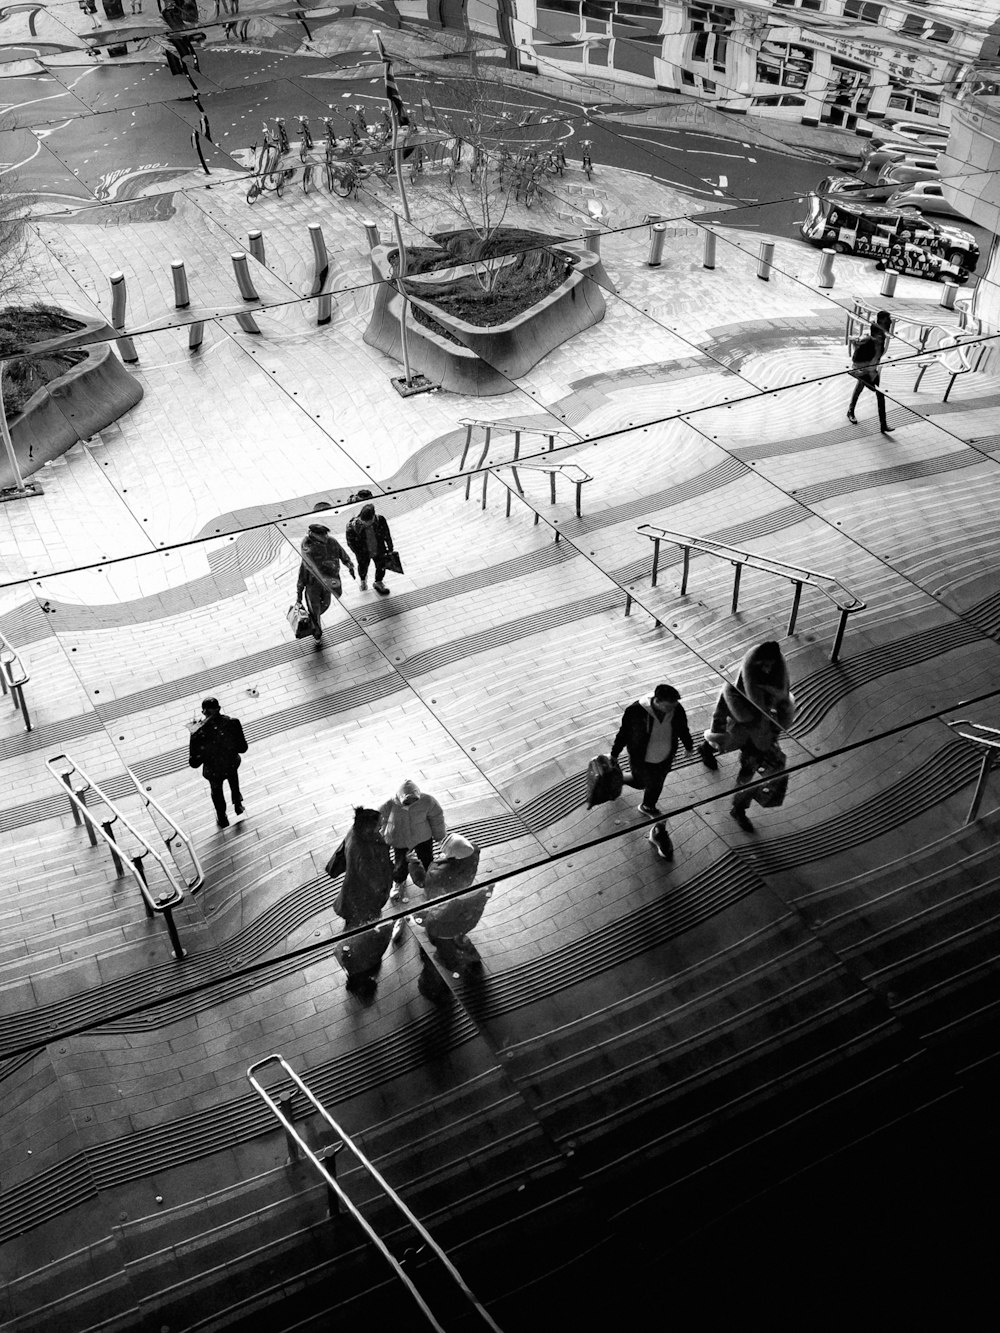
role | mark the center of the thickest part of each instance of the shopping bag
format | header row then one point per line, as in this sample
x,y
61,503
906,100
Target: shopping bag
x,y
393,562
604,780
773,791
300,620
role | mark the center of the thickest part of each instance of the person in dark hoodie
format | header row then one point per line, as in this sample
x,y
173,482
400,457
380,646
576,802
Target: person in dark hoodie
x,y
369,538
651,730
363,859
215,747
319,573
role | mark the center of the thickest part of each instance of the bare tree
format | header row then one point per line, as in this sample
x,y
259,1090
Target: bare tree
x,y
13,242
492,146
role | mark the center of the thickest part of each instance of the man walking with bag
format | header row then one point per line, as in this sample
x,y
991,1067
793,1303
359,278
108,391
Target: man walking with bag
x,y
369,538
651,730
864,368
215,747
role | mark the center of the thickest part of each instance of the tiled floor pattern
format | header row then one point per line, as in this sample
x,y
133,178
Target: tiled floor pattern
x,y
639,1035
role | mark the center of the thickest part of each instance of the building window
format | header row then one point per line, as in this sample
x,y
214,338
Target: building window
x,y
687,77
860,9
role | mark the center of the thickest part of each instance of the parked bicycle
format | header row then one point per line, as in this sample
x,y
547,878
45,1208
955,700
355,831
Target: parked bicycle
x,y
305,137
347,176
587,164
269,176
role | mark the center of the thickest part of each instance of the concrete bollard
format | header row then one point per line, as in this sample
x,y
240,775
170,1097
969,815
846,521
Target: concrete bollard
x,y
765,260
947,301
708,259
255,242
889,280
247,290
182,297
824,277
656,240
119,298
321,271
593,238
371,234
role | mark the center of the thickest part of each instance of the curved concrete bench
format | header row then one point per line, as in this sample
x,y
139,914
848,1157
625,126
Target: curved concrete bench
x,y
487,358
74,406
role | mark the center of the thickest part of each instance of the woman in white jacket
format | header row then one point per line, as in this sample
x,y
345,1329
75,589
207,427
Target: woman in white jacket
x,y
411,822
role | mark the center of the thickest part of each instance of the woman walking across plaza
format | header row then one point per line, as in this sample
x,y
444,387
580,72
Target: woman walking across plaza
x,y
319,573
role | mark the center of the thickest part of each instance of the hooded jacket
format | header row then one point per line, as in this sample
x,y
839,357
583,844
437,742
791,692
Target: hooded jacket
x,y
637,724
407,825
455,868
322,556
759,690
357,540
363,859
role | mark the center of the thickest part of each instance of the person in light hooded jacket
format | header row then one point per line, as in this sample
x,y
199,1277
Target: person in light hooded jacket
x,y
411,822
454,868
651,730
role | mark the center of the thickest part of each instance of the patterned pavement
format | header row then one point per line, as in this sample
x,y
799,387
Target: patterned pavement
x,y
633,1025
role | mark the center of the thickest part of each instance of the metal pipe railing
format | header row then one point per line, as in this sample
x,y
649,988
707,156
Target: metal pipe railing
x,y
337,1190
13,679
197,880
164,903
846,602
987,746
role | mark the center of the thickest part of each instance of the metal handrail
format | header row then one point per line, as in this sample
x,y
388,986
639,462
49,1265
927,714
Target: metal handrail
x,y
14,684
831,588
987,746
579,479
164,903
390,1193
471,424
197,881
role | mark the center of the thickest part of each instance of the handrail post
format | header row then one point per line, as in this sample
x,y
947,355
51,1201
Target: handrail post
x,y
106,825
18,693
737,566
980,792
482,460
552,488
656,561
687,569
328,1156
796,598
579,492
168,916
66,779
286,1100
628,604
486,477
468,440
838,641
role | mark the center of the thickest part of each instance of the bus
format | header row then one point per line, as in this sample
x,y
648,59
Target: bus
x,y
872,231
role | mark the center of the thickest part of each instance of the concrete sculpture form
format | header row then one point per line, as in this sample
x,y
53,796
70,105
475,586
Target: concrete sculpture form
x,y
485,359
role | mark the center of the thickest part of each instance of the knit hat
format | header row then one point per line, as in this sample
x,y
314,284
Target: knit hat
x,y
457,847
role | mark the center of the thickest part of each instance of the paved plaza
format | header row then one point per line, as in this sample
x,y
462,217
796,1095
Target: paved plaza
x,y
644,1048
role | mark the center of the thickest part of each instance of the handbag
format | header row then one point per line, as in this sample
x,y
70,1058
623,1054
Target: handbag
x,y
300,620
393,562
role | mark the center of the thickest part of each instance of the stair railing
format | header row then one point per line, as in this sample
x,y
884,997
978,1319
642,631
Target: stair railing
x,y
988,739
164,903
280,1111
846,602
197,878
13,678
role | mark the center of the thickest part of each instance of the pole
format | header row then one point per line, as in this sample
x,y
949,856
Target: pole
x,y
400,275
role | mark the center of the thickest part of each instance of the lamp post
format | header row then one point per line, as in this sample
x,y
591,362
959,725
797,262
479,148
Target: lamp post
x,y
21,490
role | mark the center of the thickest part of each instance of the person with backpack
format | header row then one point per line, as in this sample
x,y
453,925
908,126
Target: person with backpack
x,y
868,352
215,748
369,538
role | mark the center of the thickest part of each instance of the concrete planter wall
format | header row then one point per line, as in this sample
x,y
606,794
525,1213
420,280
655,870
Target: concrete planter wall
x,y
488,359
74,406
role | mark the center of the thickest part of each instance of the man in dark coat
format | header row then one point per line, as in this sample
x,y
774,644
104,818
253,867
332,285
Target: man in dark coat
x,y
216,747
651,730
369,538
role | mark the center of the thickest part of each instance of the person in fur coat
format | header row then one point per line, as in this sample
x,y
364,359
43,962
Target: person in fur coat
x,y
319,573
363,859
754,710
455,868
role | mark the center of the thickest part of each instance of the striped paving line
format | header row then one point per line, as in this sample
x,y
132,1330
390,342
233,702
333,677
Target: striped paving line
x,y
836,435
985,615
888,476
723,474
733,877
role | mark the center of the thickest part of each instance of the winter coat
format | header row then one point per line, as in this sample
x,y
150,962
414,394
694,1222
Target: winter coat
x,y
633,734
758,690
319,572
217,744
455,868
363,859
358,542
408,825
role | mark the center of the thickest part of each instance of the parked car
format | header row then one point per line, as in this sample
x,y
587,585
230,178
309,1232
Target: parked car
x,y
926,195
926,134
852,226
921,261
894,150
909,170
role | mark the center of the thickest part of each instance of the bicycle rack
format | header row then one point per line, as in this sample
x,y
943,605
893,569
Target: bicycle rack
x,y
988,747
164,903
841,597
280,1108
13,678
